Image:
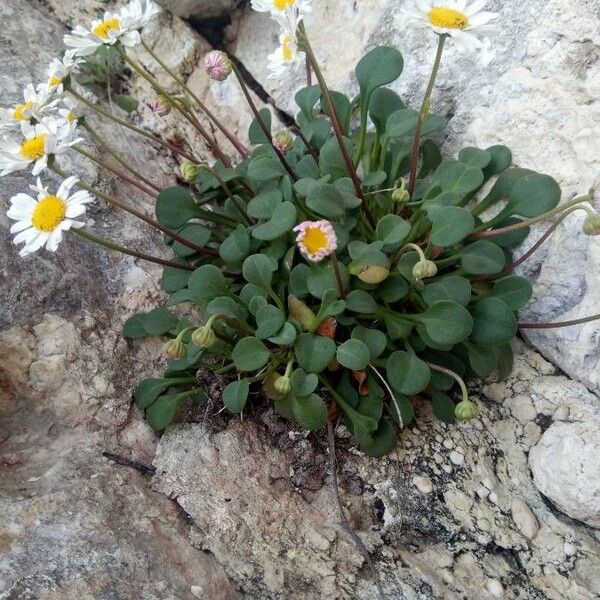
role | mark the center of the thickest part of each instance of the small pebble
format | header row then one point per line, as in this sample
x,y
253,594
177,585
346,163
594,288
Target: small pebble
x,y
197,591
448,443
456,458
570,549
423,484
494,587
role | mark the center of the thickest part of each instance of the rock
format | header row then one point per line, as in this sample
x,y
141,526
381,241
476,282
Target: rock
x,y
198,8
566,469
524,518
423,484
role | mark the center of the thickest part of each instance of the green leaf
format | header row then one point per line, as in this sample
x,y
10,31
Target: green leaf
x,y
483,359
455,176
331,159
264,168
343,109
303,383
174,279
392,230
282,221
475,157
482,258
225,306
383,103
451,225
162,411
263,205
255,133
533,195
377,68
354,355
235,395
381,442
322,278
398,328
193,232
175,207
250,354
375,340
501,160
258,269
128,103
306,98
310,412
314,352
286,336
326,200
407,373
269,320
148,390
515,291
493,322
360,301
447,322
502,188
157,322
402,124
394,288
207,282
451,287
443,407
235,246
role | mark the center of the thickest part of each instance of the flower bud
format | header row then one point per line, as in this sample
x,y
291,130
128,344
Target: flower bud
x,y
175,348
301,313
328,327
424,269
283,141
217,65
591,225
374,274
283,385
401,194
466,410
184,102
161,106
204,337
189,171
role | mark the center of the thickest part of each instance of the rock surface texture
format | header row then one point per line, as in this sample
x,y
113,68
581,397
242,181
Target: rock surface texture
x,y
505,507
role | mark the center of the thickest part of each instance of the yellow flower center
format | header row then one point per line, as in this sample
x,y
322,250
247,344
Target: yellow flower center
x,y
283,4
448,18
49,213
20,112
286,49
71,117
34,147
315,240
103,30
55,81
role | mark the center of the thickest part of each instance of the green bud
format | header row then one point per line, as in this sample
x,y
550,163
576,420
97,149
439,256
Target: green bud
x,y
204,337
189,171
466,410
374,274
283,385
301,313
591,225
283,141
424,269
401,196
175,348
184,102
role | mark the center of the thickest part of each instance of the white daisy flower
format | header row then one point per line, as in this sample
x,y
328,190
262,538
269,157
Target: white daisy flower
x,y
41,222
36,104
60,69
113,27
463,20
316,239
36,144
287,56
283,9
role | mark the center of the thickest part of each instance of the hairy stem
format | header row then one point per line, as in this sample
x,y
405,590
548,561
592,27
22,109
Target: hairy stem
x,y
123,250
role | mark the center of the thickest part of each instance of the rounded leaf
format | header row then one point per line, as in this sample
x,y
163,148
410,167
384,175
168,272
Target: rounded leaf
x,y
354,355
250,354
493,322
235,395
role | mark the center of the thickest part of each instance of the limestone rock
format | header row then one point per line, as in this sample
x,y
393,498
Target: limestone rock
x,y
198,8
566,469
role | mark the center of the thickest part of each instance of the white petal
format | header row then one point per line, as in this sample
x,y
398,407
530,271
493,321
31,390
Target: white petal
x,y
65,187
54,240
40,165
482,18
26,236
475,7
20,226
80,197
74,210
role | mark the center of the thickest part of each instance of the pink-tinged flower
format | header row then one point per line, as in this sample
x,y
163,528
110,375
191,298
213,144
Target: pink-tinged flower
x,y
283,141
316,239
217,65
161,106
